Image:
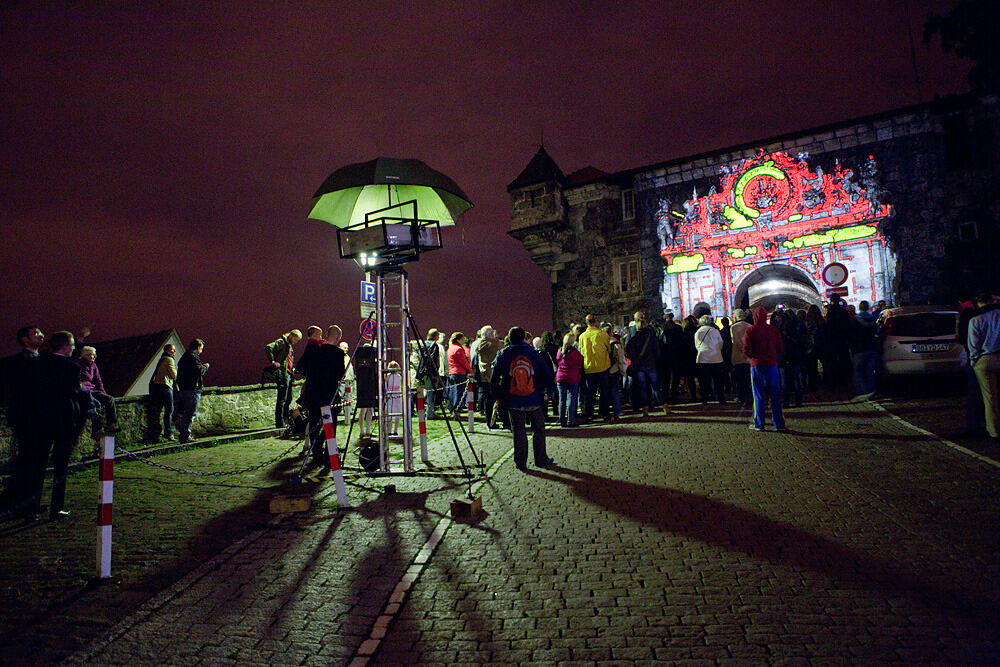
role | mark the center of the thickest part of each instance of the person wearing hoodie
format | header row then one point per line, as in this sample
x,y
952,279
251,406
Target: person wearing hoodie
x,y
762,345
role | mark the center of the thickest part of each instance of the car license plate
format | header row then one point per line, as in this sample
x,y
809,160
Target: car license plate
x,y
931,347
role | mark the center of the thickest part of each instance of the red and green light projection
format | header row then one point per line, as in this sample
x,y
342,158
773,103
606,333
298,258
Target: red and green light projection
x,y
774,209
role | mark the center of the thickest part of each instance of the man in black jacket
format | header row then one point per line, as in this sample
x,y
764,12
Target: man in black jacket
x,y
324,368
14,375
643,352
190,371
56,395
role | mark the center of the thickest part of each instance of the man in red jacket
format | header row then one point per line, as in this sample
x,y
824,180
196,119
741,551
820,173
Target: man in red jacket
x,y
762,345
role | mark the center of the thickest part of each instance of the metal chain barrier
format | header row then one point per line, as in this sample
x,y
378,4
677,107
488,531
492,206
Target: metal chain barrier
x,y
199,473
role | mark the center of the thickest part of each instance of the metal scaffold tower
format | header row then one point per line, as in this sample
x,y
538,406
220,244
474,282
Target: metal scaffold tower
x,y
392,311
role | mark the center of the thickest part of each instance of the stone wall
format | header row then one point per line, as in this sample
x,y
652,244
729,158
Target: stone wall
x,y
222,410
938,162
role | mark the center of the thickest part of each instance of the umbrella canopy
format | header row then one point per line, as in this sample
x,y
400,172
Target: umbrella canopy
x,y
352,191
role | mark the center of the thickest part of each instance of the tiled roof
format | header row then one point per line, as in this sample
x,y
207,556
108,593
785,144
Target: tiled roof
x,y
542,168
586,175
122,361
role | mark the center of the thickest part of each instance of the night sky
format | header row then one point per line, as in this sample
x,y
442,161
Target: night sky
x,y
161,162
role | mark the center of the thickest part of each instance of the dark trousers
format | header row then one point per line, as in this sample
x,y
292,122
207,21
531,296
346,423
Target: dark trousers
x,y
485,399
711,378
163,397
283,400
59,441
741,382
518,419
594,384
187,408
108,407
20,487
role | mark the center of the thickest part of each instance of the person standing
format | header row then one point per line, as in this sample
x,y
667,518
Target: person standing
x,y
643,352
984,356
161,391
14,375
762,345
190,371
521,378
864,350
279,353
485,354
740,363
427,371
709,361
325,369
55,395
568,376
459,370
595,346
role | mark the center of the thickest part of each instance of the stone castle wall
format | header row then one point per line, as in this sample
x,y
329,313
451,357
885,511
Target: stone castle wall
x,y
222,410
938,163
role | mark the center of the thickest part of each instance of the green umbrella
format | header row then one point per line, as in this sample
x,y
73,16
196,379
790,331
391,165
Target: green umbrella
x,y
351,192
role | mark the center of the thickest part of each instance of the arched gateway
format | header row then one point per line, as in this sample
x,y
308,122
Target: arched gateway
x,y
769,231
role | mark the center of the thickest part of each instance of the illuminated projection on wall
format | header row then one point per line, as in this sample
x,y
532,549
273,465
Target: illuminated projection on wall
x,y
774,216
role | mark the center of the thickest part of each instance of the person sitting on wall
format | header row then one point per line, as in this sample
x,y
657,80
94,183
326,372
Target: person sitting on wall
x,y
90,379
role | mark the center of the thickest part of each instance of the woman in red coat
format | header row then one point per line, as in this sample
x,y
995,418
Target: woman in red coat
x,y
459,368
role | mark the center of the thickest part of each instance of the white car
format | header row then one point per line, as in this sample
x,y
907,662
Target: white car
x,y
919,340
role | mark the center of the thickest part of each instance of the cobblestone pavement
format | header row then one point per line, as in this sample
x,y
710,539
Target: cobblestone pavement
x,y
854,538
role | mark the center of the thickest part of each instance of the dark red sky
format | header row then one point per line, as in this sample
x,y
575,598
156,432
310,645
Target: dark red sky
x,y
161,163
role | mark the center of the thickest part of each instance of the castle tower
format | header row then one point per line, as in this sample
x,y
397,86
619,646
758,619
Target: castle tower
x,y
538,213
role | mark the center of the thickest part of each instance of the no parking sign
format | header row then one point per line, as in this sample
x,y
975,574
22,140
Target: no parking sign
x,y
368,329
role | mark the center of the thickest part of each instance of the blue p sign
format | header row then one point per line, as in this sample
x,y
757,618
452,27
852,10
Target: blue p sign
x,y
367,292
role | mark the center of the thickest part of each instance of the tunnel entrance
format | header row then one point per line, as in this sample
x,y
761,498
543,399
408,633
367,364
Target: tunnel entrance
x,y
776,284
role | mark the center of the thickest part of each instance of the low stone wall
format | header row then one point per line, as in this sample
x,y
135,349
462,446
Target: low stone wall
x,y
222,410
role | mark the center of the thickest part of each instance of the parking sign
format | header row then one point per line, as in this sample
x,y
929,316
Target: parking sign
x,y
367,292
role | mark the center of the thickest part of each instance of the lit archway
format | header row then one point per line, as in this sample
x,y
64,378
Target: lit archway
x,y
775,284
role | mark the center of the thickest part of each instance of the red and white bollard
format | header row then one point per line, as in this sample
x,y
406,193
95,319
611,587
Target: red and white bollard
x,y
470,393
106,477
422,423
331,450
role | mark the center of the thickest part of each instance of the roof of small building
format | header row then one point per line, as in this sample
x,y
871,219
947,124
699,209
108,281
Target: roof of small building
x,y
122,361
542,168
588,174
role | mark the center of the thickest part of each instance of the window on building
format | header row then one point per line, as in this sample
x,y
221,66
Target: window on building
x,y
968,231
628,204
628,275
537,195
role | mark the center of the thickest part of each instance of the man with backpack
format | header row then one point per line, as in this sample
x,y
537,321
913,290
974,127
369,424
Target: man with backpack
x,y
520,379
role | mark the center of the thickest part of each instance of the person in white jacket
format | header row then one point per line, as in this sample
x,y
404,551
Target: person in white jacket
x,y
709,364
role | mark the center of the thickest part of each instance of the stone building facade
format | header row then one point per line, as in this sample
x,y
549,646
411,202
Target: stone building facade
x,y
904,200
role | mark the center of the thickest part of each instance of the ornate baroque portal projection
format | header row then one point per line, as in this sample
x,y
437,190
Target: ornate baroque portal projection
x,y
773,211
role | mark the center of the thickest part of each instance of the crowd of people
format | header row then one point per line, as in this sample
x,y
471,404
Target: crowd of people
x,y
761,360
601,370
53,386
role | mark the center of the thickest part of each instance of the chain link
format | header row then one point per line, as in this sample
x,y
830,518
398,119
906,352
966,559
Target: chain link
x,y
199,473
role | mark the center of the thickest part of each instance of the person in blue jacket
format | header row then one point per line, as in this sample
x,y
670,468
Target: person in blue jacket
x,y
520,380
